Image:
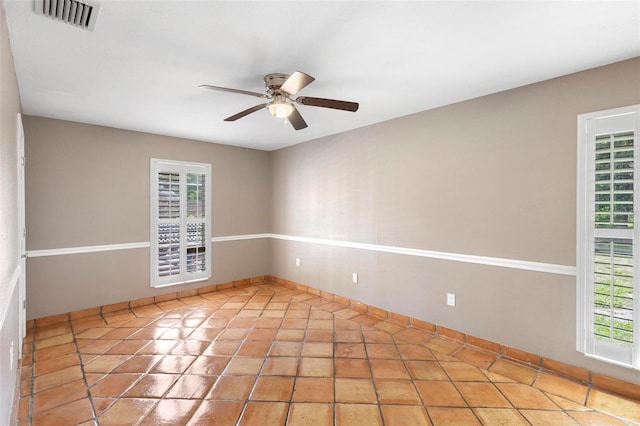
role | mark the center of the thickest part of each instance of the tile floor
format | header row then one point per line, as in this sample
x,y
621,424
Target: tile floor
x,y
269,355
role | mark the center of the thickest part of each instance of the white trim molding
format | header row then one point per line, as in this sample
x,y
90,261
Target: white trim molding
x,y
466,258
550,268
5,302
86,249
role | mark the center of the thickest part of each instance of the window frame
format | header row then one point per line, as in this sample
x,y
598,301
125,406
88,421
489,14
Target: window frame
x,y
158,166
590,126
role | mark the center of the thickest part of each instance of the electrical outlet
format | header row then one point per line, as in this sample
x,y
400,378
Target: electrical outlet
x,y
355,278
11,357
451,299
297,261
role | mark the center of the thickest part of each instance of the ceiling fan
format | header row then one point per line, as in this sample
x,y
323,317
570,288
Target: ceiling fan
x,y
279,90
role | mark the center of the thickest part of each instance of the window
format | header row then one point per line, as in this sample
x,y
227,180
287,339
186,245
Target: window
x,y
608,262
180,222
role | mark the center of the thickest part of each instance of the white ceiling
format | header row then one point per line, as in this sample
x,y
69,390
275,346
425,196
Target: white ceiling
x,y
141,66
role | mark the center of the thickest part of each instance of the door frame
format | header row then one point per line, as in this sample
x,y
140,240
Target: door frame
x,y
22,233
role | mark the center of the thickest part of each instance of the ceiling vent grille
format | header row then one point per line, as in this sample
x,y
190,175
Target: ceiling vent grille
x,y
80,14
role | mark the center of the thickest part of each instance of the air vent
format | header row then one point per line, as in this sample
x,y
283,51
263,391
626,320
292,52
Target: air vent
x,y
79,14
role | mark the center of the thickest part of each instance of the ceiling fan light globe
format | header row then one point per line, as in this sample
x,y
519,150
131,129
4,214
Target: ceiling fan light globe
x,y
280,108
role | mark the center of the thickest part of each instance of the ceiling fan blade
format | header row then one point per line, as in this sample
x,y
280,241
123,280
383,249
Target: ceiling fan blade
x,y
245,112
328,103
296,120
226,89
296,82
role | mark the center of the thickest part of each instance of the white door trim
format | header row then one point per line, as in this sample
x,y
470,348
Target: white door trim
x,y
22,278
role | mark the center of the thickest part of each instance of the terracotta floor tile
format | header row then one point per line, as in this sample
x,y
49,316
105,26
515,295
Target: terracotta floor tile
x,y
289,335
566,404
476,357
355,391
560,386
358,415
454,416
350,350
268,388
482,395
615,405
228,347
426,370
405,415
262,334
317,349
411,336
59,395
500,416
388,327
235,388
254,348
349,336
443,346
173,364
285,349
190,347
523,396
128,347
105,363
382,351
415,352
264,413
396,392
158,347
313,389
544,418
54,341
439,394
54,351
138,364
72,413
121,333
354,368
126,411
326,336
366,319
55,364
388,369
316,367
305,414
594,418
243,366
280,366
208,365
377,336
113,385
151,386
57,378
191,387
517,372
170,412
320,314
463,372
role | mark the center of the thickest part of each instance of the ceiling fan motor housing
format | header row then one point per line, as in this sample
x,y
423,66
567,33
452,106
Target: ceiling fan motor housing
x,y
273,82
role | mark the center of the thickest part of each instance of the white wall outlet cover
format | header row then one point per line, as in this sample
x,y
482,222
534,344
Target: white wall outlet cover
x,y
451,299
297,261
355,277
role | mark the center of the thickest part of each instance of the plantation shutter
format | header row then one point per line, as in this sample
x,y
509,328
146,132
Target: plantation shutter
x,y
611,247
180,222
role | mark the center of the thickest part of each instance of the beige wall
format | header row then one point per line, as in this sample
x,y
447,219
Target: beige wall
x,y
493,176
89,185
9,249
